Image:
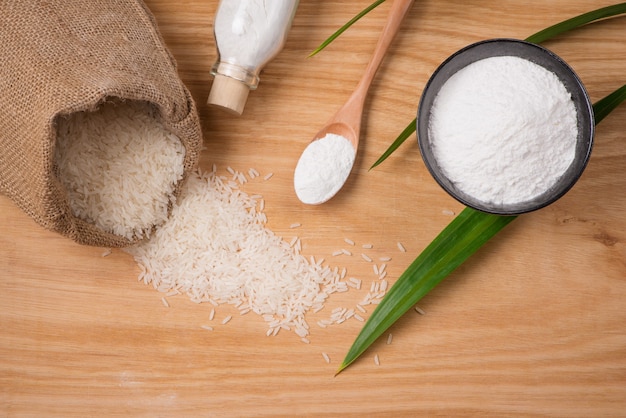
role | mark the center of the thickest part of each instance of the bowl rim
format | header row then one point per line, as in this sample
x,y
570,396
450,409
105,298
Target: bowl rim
x,y
510,47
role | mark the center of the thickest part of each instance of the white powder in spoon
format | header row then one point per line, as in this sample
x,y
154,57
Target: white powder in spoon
x,y
503,130
323,168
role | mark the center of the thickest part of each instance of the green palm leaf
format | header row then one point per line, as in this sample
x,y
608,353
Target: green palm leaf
x,y
603,107
406,133
576,22
455,244
346,26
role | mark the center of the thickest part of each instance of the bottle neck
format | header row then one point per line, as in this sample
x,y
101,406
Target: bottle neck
x,y
249,77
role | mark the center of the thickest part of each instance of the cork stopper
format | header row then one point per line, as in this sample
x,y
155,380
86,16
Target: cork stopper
x,y
229,94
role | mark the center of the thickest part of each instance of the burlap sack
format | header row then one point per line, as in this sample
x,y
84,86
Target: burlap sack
x,y
58,57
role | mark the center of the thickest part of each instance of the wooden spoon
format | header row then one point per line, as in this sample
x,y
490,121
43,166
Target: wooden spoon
x,y
347,121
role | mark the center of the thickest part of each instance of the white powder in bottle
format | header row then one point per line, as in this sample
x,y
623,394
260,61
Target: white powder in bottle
x,y
323,168
248,33
503,130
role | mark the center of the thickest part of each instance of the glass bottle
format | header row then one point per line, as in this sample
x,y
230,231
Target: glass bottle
x,y
248,34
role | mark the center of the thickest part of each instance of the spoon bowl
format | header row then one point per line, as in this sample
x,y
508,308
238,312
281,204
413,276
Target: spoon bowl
x,y
342,129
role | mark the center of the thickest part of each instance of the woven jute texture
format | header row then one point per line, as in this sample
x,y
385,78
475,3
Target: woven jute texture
x,y
58,57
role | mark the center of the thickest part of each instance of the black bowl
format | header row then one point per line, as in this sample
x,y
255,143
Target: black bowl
x,y
540,56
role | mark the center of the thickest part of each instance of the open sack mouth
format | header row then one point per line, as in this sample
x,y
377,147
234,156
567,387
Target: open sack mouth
x,y
120,167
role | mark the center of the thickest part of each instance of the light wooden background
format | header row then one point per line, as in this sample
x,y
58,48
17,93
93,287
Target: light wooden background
x,y
532,325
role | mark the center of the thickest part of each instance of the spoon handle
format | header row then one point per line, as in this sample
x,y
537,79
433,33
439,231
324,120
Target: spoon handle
x,y
398,11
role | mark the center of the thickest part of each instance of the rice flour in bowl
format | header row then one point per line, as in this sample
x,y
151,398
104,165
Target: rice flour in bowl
x,y
505,126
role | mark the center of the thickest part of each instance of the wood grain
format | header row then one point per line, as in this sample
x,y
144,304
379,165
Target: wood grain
x,y
532,325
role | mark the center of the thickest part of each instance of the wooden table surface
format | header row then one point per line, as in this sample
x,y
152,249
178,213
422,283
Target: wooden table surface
x,y
532,325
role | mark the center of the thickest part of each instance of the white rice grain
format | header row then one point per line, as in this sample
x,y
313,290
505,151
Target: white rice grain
x,y
326,357
341,287
165,302
381,268
348,241
317,308
354,282
401,247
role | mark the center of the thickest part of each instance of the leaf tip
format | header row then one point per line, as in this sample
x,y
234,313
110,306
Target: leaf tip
x,y
341,368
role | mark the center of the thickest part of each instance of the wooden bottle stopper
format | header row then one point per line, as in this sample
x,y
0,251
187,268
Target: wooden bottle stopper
x,y
228,94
